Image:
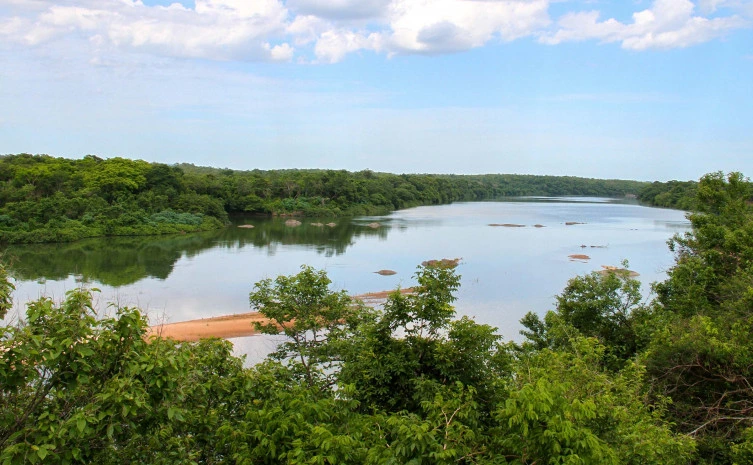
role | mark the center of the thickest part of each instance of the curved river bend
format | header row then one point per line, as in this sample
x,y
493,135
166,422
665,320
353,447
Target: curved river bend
x,y
506,270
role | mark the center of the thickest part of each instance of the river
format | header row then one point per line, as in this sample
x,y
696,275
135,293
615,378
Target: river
x,y
506,271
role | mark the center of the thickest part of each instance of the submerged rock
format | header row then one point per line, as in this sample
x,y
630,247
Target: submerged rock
x,y
385,272
508,225
617,270
318,225
445,262
246,226
373,225
292,223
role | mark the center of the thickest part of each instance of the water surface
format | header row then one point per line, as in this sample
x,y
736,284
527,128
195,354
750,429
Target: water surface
x,y
506,271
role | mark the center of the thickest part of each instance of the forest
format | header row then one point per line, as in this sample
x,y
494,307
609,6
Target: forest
x,y
605,377
49,199
672,194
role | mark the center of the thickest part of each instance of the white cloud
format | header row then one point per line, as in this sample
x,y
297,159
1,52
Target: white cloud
x,y
333,45
434,26
214,29
326,31
667,24
306,28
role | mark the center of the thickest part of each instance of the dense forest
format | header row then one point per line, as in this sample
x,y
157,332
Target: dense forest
x,y
48,199
672,194
606,377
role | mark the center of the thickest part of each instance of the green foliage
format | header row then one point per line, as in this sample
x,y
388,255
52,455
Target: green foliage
x,y
704,365
700,357
413,341
405,384
77,388
713,264
601,379
694,338
673,194
601,305
46,199
304,309
563,407
6,292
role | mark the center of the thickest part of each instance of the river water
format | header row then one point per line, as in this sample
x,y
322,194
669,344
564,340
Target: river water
x,y
506,271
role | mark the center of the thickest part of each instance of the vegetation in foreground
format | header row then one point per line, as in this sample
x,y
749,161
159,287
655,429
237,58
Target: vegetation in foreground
x,y
603,379
47,199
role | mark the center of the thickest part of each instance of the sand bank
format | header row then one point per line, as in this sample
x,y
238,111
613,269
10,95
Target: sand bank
x,y
238,325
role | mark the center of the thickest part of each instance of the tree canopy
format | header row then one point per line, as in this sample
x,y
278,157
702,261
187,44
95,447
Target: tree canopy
x,y
48,199
605,377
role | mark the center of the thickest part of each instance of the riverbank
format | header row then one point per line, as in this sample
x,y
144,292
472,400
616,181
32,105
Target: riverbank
x,y
240,324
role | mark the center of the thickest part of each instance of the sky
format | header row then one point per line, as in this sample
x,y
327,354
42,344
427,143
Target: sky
x,y
646,90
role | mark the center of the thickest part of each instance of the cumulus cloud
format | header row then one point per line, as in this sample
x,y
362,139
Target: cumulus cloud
x,y
435,26
214,29
326,31
332,46
667,24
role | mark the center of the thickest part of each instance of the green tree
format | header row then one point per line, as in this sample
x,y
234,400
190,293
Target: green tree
x,y
713,261
700,357
604,305
405,354
564,407
303,308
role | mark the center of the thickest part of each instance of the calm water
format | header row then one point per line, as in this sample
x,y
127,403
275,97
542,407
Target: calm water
x,y
506,272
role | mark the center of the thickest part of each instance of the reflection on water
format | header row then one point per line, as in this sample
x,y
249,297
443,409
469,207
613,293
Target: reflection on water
x,y
506,272
119,261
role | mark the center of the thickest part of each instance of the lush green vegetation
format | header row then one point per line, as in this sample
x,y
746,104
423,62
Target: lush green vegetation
x,y
672,194
604,378
47,199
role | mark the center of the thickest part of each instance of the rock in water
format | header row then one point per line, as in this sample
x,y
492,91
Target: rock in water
x,y
386,272
444,263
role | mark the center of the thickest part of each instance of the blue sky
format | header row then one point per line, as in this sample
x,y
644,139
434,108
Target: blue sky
x,y
649,90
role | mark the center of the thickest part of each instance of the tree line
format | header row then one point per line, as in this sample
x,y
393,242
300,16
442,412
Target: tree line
x,y
49,199
680,195
606,377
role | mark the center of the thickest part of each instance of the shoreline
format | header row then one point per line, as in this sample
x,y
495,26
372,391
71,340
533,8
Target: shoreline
x,y
238,324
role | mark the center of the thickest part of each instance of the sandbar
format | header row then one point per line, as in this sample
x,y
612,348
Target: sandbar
x,y
614,269
240,324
